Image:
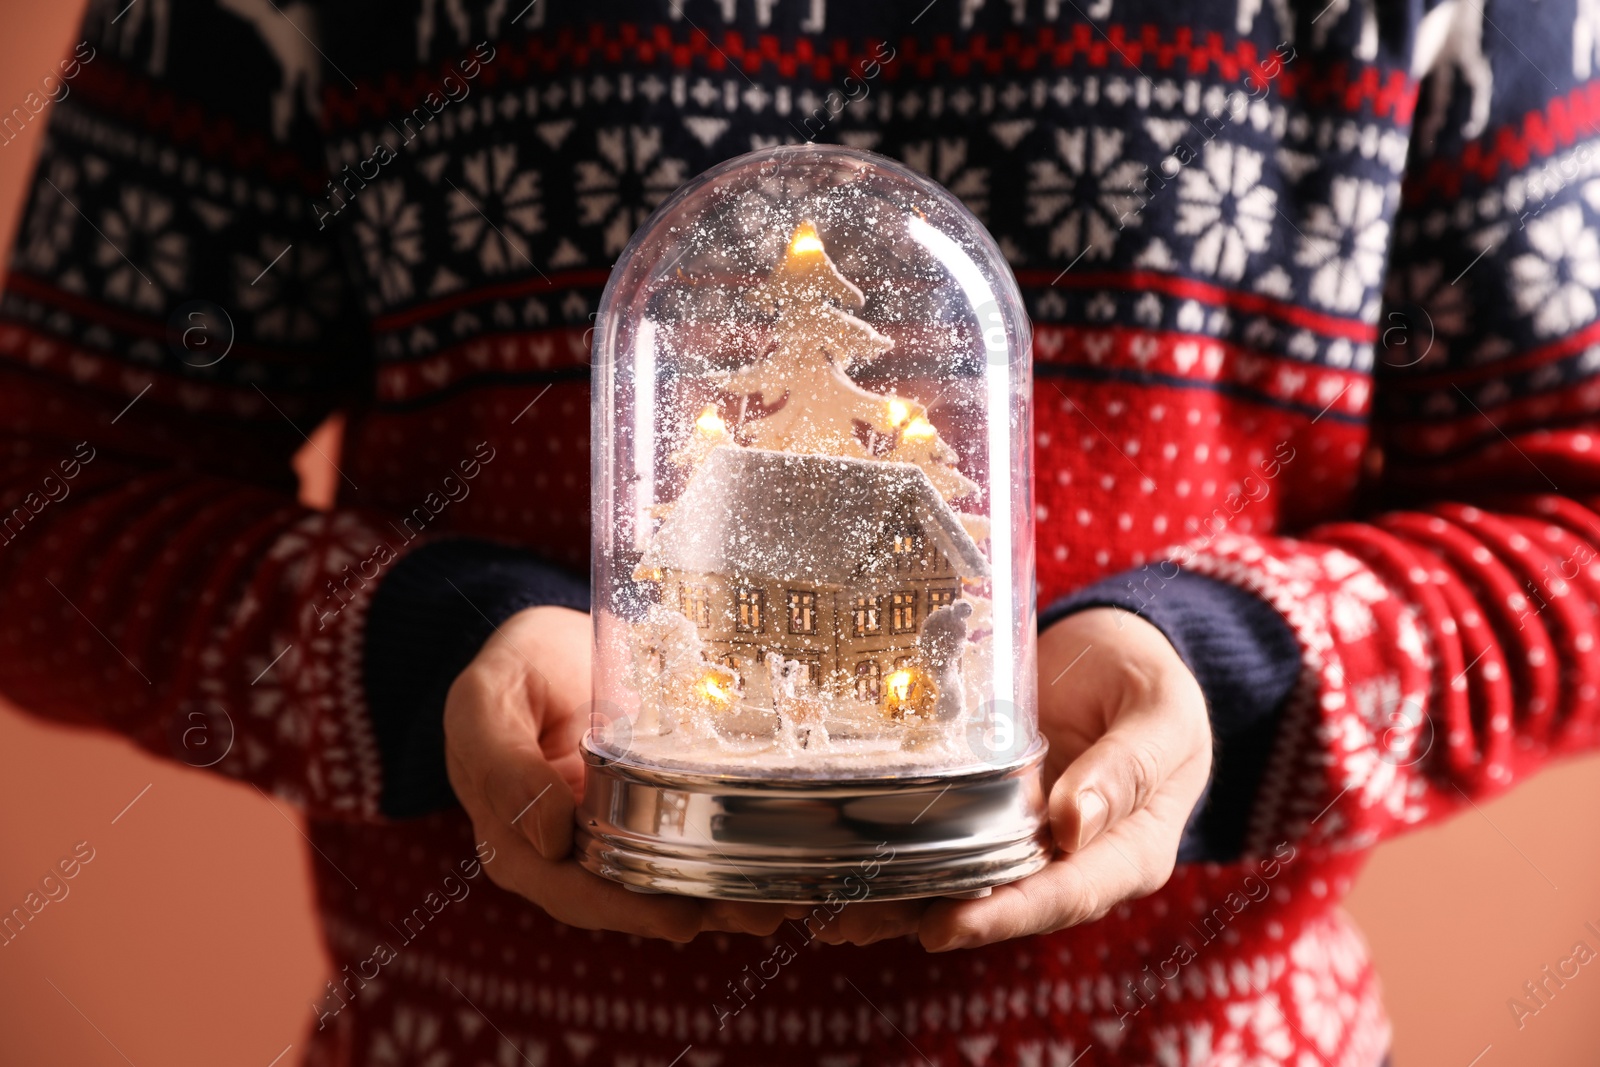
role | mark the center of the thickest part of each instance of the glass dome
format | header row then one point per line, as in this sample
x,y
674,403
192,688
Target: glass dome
x,y
813,553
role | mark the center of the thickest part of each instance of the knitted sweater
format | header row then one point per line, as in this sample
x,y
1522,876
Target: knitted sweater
x,y
1315,344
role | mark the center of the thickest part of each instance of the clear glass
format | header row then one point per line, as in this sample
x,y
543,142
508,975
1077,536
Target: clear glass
x,y
813,546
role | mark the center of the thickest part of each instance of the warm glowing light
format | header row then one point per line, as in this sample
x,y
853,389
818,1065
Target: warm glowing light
x,y
712,689
898,684
919,429
899,410
805,239
710,423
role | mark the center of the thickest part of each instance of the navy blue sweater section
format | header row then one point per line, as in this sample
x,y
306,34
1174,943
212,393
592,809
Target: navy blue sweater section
x,y
1246,659
429,617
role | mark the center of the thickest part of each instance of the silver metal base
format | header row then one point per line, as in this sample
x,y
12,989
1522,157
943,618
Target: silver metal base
x,y
954,833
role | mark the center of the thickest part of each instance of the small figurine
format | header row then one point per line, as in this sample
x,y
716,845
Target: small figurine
x,y
799,713
673,669
941,641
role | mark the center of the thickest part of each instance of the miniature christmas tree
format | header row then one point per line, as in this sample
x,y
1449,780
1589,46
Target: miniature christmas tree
x,y
817,408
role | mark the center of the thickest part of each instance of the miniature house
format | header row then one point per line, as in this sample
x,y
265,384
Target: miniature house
x,y
829,561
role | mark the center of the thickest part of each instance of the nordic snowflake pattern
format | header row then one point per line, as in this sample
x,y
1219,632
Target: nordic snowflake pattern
x,y
1240,298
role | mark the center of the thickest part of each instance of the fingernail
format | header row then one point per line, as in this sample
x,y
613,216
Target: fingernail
x,y
955,943
1092,812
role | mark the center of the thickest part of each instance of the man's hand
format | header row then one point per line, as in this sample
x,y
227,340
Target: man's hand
x,y
512,723
1130,752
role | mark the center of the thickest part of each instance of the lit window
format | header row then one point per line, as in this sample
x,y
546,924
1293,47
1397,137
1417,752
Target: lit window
x,y
751,604
695,603
802,612
903,612
939,598
869,681
867,616
909,548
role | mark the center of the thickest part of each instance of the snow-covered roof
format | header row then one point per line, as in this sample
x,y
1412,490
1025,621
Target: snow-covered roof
x,y
822,520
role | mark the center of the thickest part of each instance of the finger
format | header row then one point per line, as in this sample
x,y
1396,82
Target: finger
x,y
1118,774
864,922
571,895
495,761
531,796
742,917
1070,890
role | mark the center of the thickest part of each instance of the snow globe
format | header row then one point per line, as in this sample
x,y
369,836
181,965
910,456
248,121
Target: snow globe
x,y
814,661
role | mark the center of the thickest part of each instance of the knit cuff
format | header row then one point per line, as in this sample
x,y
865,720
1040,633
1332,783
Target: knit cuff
x,y
429,617
1246,658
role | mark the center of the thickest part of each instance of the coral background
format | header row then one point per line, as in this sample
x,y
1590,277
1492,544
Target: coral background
x,y
189,939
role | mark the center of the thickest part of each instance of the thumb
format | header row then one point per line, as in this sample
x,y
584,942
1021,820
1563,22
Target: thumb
x,y
1112,779
526,792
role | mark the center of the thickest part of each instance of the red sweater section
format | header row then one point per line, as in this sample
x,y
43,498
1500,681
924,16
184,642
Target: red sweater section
x,y
1425,524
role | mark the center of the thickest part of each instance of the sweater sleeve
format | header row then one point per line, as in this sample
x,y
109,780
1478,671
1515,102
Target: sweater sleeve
x,y
1447,639
175,321
429,618
1444,638
1373,676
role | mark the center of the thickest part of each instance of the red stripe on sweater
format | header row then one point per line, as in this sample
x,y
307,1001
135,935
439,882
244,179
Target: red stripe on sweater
x,y
137,100
523,352
1499,370
1172,285
26,348
133,325
544,283
1573,406
1137,49
1539,134
1204,359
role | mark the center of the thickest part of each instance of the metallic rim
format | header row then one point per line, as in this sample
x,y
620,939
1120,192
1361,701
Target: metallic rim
x,y
730,838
